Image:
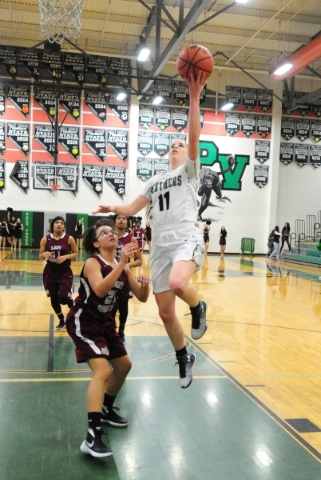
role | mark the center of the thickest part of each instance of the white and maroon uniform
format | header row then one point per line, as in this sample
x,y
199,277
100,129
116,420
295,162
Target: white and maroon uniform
x,y
139,235
58,277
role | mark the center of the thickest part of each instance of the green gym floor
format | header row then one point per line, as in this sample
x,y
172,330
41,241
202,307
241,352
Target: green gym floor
x,y
217,429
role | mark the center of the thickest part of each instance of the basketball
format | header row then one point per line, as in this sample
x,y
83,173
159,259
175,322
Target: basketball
x,y
193,59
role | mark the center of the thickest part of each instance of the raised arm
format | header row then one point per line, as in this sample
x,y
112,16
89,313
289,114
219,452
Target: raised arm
x,y
196,86
128,209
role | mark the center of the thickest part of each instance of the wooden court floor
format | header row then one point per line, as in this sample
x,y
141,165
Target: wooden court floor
x,y
253,411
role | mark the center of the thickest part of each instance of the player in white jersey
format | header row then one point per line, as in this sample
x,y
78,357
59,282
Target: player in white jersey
x,y
177,249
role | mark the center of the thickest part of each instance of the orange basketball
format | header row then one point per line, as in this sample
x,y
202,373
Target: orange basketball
x,y
193,59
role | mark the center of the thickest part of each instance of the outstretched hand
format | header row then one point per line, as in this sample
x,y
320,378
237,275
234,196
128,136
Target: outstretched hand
x,y
196,84
104,209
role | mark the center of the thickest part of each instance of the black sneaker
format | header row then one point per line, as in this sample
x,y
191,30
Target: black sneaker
x,y
185,369
111,417
93,445
61,325
199,326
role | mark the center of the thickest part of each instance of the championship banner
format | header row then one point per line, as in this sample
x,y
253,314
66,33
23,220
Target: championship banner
x,y
68,137
265,100
95,139
316,130
70,100
162,117
287,127
19,135
151,92
161,143
146,116
249,98
232,123
19,96
161,165
180,92
69,178
116,177
233,95
144,168
261,175
263,125
51,60
27,232
2,175
286,153
178,137
316,107
121,67
301,154
315,155
20,174
96,102
97,65
145,143
262,150
45,136
93,177
30,59
46,97
2,138
119,107
74,63
118,141
179,118
2,99
302,108
248,123
302,128
164,88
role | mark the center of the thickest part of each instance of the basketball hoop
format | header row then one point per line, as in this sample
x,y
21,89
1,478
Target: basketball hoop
x,y
54,188
60,19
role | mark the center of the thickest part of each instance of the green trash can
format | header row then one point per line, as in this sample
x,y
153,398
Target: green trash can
x,y
248,245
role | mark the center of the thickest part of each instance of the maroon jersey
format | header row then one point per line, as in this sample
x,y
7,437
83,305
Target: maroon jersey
x,y
127,238
58,277
139,235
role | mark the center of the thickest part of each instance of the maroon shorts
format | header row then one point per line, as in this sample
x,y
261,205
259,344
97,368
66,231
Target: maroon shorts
x,y
93,340
58,283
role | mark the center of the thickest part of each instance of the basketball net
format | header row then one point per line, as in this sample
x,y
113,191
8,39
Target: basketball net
x,y
54,188
60,19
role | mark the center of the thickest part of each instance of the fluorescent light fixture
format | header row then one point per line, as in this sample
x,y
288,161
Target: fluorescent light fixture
x,y
157,100
283,68
121,96
143,54
227,106
241,1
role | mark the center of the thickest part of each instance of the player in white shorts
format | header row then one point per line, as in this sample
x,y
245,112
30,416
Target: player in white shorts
x,y
177,249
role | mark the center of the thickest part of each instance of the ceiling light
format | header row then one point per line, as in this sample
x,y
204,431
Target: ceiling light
x,y
143,54
121,96
157,100
227,106
283,68
241,1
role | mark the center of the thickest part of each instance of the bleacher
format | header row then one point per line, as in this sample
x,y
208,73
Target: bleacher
x,y
304,242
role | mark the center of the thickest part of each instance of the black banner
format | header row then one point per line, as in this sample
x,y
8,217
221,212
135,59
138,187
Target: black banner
x,y
144,168
286,153
146,116
178,137
263,125
20,174
68,137
232,123
97,65
2,175
145,143
93,177
161,165
287,128
262,150
19,95
95,139
19,135
249,98
164,88
46,97
118,141
116,178
96,102
161,143
151,92
119,107
74,62
2,99
261,175
315,155
2,138
70,100
233,95
316,130
121,67
248,124
265,100
301,154
316,107
179,118
45,135
163,117
302,128
180,92
30,59
302,108
52,61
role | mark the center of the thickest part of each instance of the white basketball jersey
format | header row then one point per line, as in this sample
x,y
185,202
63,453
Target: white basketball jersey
x,y
174,196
